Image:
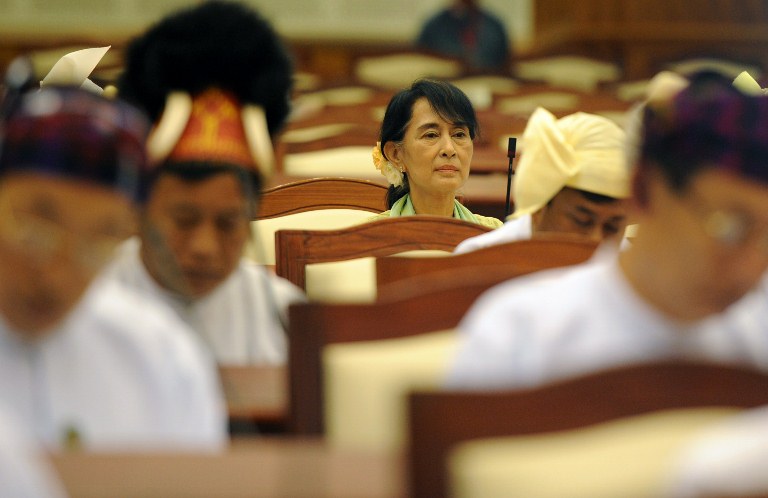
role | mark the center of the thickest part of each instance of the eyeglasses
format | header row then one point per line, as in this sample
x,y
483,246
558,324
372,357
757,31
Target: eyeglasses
x,y
43,239
729,228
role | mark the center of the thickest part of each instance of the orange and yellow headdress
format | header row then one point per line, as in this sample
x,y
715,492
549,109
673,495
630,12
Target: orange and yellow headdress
x,y
216,81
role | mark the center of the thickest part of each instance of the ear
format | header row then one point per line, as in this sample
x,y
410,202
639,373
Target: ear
x,y
395,155
536,218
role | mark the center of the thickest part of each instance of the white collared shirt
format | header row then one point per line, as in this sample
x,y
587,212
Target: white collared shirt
x,y
241,321
563,322
118,372
511,231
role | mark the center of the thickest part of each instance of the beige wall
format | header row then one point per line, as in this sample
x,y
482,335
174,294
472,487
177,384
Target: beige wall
x,y
374,20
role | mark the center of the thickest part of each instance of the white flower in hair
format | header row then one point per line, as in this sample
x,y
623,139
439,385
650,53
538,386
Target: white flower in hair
x,y
386,168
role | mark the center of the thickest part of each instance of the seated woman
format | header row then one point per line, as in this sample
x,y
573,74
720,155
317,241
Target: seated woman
x,y
425,150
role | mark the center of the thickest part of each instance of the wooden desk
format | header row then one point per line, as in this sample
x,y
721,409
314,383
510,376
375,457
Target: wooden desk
x,y
256,394
265,468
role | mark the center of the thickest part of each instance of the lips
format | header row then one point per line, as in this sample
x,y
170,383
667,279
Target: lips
x,y
199,275
447,168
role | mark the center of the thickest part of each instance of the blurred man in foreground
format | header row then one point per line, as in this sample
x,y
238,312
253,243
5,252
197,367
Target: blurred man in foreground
x,y
81,364
700,190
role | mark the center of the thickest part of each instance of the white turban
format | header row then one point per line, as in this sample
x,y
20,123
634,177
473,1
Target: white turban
x,y
582,151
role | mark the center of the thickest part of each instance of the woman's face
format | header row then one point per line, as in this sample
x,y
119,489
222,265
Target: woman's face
x,y
434,153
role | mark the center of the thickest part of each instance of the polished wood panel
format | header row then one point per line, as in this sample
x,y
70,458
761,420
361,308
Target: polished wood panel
x,y
256,394
643,36
322,193
565,405
315,325
404,276
267,468
294,249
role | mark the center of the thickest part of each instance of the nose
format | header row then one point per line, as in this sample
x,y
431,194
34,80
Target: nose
x,y
447,148
594,233
203,242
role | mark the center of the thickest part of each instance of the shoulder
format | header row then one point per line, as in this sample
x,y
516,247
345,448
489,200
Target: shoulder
x,y
285,291
117,317
381,216
125,260
509,335
488,221
552,300
510,231
146,345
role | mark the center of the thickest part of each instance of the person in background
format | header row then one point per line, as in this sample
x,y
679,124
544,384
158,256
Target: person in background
x,y
572,178
468,32
215,107
425,151
87,364
687,285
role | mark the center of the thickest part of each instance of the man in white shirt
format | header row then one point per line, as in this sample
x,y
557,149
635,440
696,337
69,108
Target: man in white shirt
x,y
572,177
686,286
216,107
91,365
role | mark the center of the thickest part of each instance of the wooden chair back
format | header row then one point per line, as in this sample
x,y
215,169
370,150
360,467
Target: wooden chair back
x,y
565,405
322,193
430,303
297,248
395,275
312,326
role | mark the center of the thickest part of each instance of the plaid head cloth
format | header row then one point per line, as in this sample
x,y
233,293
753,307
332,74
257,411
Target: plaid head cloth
x,y
708,124
74,133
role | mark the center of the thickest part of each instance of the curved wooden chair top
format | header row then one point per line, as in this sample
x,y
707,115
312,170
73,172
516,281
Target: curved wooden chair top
x,y
565,405
395,275
322,193
295,249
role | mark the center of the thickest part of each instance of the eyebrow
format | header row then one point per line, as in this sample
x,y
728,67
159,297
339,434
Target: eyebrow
x,y
589,212
428,126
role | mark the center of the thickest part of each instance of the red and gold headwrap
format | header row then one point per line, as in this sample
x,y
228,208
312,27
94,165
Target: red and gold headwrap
x,y
212,127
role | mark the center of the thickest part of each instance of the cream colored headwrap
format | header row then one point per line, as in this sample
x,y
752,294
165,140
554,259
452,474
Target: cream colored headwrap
x,y
582,151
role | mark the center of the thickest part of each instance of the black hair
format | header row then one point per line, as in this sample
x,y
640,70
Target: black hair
x,y
597,198
448,101
214,44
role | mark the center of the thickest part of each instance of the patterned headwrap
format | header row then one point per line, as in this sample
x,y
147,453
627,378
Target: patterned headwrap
x,y
709,123
582,151
75,133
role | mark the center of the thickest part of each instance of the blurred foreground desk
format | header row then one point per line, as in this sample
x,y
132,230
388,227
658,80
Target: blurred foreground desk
x,y
265,468
256,396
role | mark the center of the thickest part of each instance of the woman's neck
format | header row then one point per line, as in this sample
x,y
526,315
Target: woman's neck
x,y
436,205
